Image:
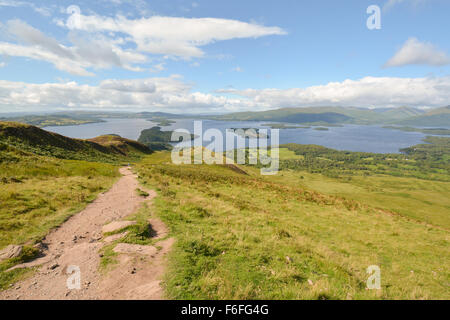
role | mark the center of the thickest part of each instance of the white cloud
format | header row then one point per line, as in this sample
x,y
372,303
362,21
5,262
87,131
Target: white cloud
x,y
174,36
45,11
366,92
150,94
237,69
414,52
86,53
158,67
175,95
98,42
392,3
10,3
2,64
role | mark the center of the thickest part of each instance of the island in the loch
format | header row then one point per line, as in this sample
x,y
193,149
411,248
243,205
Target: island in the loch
x,y
285,126
156,139
250,133
435,131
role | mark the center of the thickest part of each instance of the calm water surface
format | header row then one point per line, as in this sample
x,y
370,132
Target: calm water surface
x,y
349,137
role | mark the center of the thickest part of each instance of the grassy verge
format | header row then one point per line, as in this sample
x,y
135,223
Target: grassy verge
x,y
10,277
248,237
38,194
421,200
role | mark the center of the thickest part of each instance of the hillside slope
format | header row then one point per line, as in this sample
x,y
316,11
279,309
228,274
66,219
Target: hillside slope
x,y
38,141
244,236
434,118
331,115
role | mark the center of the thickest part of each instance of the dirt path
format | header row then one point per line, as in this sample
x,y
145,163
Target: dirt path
x,y
77,243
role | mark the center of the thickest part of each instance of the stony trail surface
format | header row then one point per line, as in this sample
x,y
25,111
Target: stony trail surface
x,y
77,242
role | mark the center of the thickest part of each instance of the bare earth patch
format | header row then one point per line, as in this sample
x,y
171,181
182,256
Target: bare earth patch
x,y
77,243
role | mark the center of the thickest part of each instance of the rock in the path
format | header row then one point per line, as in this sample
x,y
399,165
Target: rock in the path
x,y
117,225
158,229
135,248
115,237
11,251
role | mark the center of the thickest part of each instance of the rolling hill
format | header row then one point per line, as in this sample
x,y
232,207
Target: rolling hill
x,y
110,148
330,115
434,118
309,232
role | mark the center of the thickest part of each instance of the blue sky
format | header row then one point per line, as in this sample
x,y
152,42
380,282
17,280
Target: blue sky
x,y
222,56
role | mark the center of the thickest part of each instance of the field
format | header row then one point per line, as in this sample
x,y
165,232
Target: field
x,y
243,236
309,232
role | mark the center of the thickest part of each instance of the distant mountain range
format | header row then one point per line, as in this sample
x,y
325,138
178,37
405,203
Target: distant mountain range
x,y
349,115
403,116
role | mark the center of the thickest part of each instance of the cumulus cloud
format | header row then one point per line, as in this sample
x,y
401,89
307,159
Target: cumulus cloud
x,y
170,93
98,42
76,59
366,92
414,52
175,36
175,95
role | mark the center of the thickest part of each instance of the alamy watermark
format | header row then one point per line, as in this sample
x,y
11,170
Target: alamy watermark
x,y
374,20
242,146
374,280
74,280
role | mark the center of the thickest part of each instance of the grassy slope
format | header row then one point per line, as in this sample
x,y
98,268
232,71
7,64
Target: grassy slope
x,y
39,189
109,148
419,199
39,192
234,233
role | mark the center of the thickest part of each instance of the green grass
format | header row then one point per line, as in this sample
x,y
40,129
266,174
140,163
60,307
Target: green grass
x,y
234,233
110,148
142,193
422,200
430,161
309,232
7,278
39,193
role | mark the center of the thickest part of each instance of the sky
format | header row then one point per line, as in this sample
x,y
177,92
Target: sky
x,y
210,56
